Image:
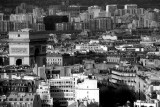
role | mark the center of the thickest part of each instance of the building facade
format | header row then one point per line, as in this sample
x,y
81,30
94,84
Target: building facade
x,y
54,59
122,76
87,90
63,91
44,92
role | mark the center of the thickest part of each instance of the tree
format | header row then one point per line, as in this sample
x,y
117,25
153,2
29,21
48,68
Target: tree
x,y
111,96
125,94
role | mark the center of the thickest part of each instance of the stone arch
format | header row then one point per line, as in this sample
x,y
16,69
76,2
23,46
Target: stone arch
x,y
37,51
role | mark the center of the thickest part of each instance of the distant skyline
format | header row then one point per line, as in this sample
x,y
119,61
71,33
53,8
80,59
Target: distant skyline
x,y
141,3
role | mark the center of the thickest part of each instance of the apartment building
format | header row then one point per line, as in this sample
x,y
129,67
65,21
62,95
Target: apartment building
x,y
111,9
69,91
113,58
17,85
23,100
130,6
150,61
44,92
87,90
95,10
122,76
53,58
63,90
21,18
20,93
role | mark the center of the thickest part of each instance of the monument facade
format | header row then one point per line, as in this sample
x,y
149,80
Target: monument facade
x,y
27,47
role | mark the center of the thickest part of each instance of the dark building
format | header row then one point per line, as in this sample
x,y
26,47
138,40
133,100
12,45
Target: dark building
x,y
52,74
4,104
8,86
129,39
50,21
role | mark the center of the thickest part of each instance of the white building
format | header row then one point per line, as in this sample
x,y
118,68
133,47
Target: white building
x,y
88,90
109,37
111,8
69,90
130,48
63,91
93,41
95,10
130,6
37,12
91,47
44,92
53,58
21,18
15,76
85,16
139,103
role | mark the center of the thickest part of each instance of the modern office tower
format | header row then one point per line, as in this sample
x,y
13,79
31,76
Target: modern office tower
x,y
151,15
95,10
74,10
50,21
78,26
38,27
20,25
1,16
86,16
65,2
52,10
6,26
111,9
130,6
21,8
63,26
37,12
21,18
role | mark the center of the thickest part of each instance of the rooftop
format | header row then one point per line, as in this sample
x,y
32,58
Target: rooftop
x,y
53,55
124,69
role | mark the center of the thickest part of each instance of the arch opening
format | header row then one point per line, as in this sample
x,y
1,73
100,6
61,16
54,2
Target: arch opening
x,y
19,62
36,54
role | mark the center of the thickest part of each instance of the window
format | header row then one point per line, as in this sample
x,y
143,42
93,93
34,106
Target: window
x,y
10,99
18,35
